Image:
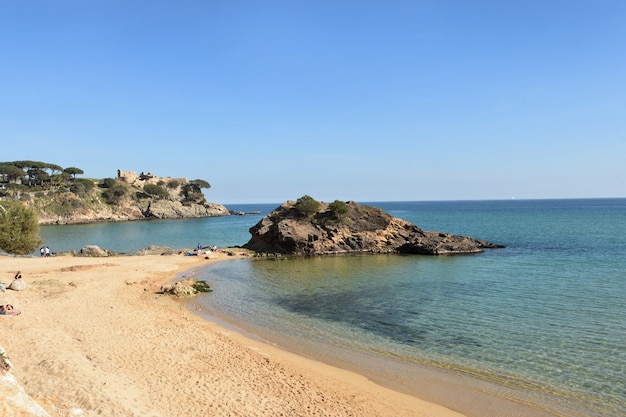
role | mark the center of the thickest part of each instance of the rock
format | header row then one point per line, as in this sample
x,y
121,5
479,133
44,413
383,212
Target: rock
x,y
360,229
5,362
17,285
14,402
156,250
167,288
184,288
168,209
94,251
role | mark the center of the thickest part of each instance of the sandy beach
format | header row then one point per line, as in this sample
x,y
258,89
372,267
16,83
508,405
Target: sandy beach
x,y
95,338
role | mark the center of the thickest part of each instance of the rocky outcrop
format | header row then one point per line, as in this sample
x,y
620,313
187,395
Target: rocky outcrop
x,y
167,209
156,250
141,210
17,285
129,197
185,288
180,289
94,251
14,402
359,229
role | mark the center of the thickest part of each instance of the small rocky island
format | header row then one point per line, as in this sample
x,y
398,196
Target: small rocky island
x,y
309,227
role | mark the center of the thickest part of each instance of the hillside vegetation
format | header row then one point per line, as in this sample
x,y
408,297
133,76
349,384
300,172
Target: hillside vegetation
x,y
59,197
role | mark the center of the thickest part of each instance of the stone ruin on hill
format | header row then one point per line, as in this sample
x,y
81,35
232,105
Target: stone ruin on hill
x,y
130,177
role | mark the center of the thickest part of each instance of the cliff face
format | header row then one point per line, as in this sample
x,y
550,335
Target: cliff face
x,y
360,229
122,200
138,210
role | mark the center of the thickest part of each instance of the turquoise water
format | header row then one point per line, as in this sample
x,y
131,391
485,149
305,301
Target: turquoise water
x,y
544,318
128,237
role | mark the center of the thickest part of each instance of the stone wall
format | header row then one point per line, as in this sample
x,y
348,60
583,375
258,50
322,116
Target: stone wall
x,y
130,177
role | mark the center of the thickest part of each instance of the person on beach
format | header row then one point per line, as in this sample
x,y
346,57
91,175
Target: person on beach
x,y
41,251
18,283
8,310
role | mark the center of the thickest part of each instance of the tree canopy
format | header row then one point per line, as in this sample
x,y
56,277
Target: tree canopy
x,y
73,171
307,205
201,183
339,209
19,229
36,173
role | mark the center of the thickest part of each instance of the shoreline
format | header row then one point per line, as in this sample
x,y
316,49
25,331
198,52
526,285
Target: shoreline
x,y
95,336
465,393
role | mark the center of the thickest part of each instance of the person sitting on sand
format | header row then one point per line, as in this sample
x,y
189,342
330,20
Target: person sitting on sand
x,y
8,310
18,283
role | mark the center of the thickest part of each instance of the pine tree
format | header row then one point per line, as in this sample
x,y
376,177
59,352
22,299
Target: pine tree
x,y
19,229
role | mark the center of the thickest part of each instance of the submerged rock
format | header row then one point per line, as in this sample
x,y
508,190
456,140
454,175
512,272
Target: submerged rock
x,y
354,228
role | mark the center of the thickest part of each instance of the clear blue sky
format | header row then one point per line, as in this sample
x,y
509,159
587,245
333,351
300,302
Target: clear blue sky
x,y
338,99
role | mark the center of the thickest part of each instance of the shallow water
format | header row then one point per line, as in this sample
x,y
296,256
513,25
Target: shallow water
x,y
545,315
128,237
543,319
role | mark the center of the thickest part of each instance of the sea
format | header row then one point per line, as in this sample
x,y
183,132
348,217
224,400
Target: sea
x,y
537,328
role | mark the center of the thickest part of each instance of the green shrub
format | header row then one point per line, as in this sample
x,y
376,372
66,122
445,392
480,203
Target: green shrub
x,y
18,187
307,206
156,191
108,183
339,209
202,286
88,184
81,187
114,194
78,189
19,229
63,206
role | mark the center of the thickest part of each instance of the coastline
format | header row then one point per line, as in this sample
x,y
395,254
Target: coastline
x,y
95,336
